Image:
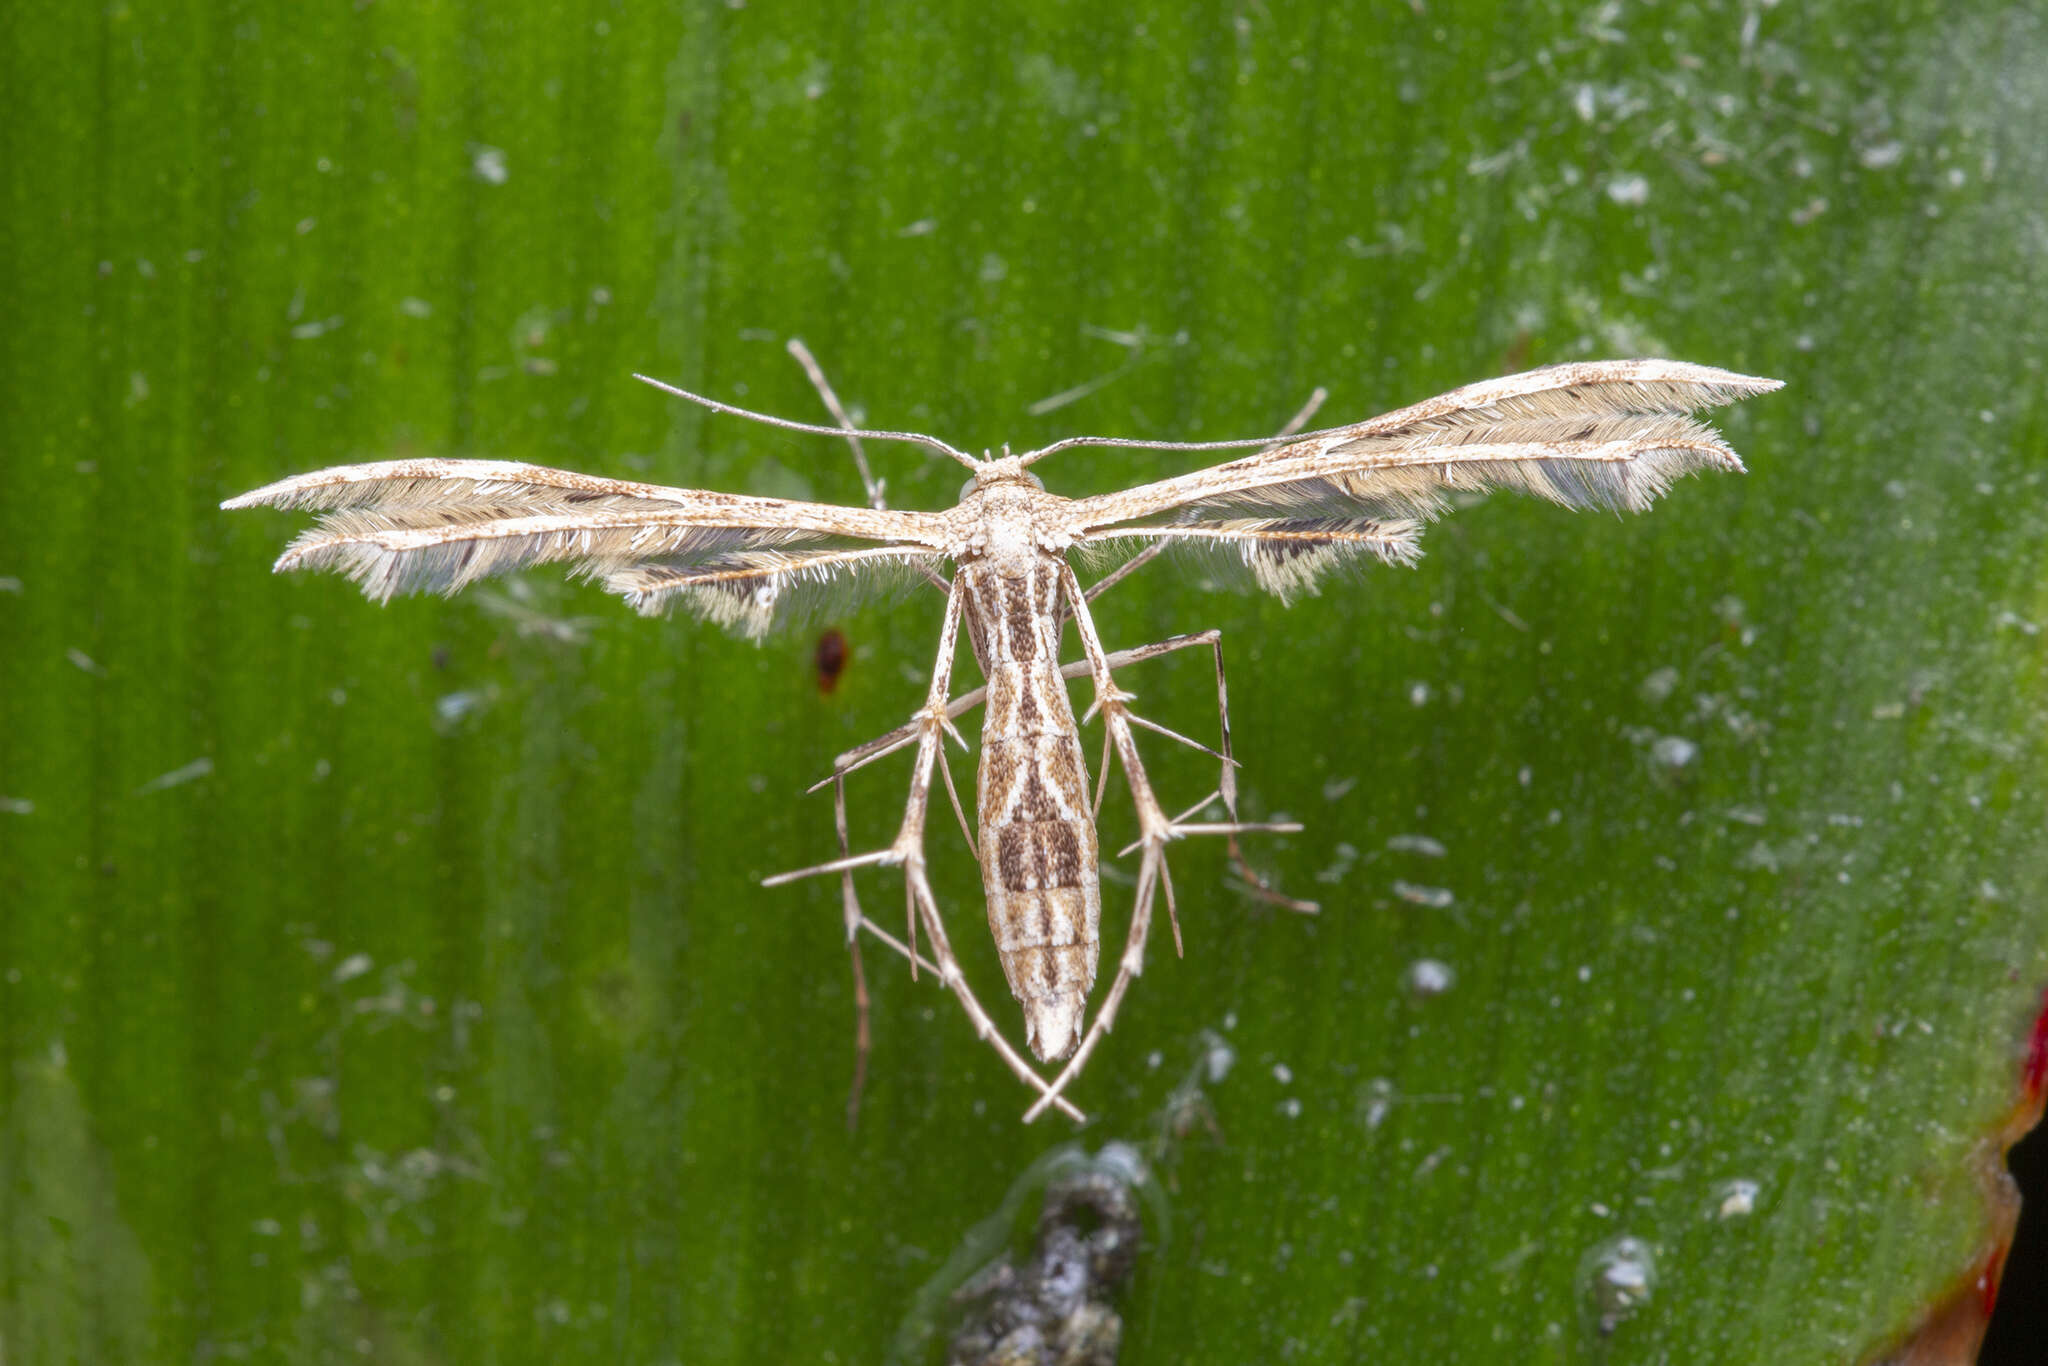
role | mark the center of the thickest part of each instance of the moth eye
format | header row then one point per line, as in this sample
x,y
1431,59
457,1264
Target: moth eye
x,y
968,487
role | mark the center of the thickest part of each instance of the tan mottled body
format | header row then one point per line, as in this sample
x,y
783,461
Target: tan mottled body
x,y
1037,835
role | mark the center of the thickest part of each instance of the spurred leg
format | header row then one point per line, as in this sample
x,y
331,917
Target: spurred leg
x,y
1157,548
907,850
884,745
850,914
855,919
868,481
1227,786
1227,789
1154,827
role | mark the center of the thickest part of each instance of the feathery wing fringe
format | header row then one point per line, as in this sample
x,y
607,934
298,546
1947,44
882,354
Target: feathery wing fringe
x,y
751,592
1619,464
1284,556
438,525
1607,434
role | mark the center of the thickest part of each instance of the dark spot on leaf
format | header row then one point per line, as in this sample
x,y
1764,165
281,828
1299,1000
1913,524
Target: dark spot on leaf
x,y
830,659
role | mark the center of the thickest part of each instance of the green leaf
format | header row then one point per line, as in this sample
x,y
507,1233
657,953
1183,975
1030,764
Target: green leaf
x,y
397,983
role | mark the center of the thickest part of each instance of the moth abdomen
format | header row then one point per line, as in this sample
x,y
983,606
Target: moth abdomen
x,y
1037,831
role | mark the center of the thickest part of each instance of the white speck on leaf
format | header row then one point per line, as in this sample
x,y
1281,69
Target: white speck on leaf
x,y
1733,1199
489,164
1629,190
1429,977
1673,752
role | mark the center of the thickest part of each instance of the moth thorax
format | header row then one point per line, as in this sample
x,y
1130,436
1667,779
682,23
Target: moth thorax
x,y
1010,545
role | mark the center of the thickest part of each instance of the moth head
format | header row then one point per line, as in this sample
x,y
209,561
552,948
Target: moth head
x,y
998,470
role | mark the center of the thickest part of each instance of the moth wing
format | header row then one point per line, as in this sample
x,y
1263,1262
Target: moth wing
x,y
438,525
1610,434
753,591
1285,556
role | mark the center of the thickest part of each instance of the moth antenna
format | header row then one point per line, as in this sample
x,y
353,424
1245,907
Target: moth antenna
x,y
916,438
1140,444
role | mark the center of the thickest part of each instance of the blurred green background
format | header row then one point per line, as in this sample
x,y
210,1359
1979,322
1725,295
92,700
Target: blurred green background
x,y
395,984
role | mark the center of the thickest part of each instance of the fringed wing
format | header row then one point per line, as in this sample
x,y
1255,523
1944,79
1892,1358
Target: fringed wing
x,y
751,592
1601,434
1286,557
434,525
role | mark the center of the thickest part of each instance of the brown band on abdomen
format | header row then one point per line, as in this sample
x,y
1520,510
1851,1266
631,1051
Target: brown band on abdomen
x,y
1038,855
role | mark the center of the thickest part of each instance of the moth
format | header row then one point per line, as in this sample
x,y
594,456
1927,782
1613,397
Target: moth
x,y
1603,434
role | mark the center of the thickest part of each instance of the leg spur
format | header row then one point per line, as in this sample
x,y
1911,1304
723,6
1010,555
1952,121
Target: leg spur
x,y
923,731
1155,830
907,850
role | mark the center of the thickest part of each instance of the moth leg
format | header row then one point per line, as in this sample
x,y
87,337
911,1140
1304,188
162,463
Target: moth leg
x,y
929,729
1154,831
874,486
1255,883
860,756
882,746
1124,571
857,920
816,373
1157,548
907,850
851,915
1227,787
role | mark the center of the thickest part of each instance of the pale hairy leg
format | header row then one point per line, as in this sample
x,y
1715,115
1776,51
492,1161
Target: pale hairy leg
x,y
1158,548
860,757
1155,829
907,851
854,917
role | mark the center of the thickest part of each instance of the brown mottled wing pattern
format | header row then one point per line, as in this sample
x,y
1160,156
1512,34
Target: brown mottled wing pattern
x,y
1600,434
437,525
